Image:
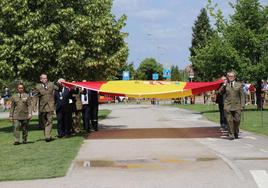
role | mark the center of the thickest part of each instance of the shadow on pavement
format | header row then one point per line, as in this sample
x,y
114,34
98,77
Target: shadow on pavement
x,y
193,132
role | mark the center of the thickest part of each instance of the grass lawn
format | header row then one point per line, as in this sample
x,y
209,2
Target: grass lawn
x,y
37,159
251,119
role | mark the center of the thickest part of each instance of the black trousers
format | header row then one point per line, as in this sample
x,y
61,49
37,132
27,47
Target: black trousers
x,y
94,116
86,117
223,121
64,122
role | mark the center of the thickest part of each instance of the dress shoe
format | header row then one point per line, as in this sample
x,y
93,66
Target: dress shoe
x,y
48,139
16,143
24,142
231,136
236,135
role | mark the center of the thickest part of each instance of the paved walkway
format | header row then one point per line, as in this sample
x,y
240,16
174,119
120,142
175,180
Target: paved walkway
x,y
4,115
162,162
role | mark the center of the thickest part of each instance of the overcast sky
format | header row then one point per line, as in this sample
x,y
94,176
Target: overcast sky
x,y
162,28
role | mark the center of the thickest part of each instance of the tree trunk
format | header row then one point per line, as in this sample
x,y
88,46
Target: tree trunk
x,y
258,95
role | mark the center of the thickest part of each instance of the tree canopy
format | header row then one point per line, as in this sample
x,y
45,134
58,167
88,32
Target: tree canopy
x,y
175,73
239,44
247,32
202,32
148,67
63,38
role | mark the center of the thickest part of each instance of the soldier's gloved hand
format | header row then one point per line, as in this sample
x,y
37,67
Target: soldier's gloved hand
x,y
30,116
242,108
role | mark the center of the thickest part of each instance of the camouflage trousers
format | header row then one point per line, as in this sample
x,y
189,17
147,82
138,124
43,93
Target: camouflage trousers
x,y
17,124
77,118
233,120
46,122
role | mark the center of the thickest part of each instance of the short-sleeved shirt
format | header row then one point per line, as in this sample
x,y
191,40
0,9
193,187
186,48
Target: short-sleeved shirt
x,y
20,106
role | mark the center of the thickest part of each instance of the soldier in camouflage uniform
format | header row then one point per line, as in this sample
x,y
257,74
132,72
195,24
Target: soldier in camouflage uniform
x,y
20,113
45,92
234,102
77,114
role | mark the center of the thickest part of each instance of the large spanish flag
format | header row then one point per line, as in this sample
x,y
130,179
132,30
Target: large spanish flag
x,y
147,89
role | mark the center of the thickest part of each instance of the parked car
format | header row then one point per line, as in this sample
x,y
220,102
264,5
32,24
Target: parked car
x,y
105,99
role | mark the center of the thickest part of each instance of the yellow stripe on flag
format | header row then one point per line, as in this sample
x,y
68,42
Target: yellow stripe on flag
x,y
147,89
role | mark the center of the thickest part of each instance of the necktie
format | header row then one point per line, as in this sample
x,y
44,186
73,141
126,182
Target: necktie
x,y
45,86
85,97
232,84
20,95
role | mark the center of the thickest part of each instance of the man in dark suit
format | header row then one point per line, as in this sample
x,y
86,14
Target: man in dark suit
x,y
234,103
64,103
220,102
94,109
85,98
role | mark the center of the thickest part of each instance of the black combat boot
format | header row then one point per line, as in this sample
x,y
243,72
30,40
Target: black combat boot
x,y
236,135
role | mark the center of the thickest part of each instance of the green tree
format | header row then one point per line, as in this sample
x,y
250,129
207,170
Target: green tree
x,y
216,58
148,67
126,67
248,34
175,73
63,38
202,32
240,44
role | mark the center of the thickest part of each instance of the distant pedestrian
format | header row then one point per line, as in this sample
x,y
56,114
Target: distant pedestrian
x,y
20,113
6,96
246,87
234,103
265,91
2,103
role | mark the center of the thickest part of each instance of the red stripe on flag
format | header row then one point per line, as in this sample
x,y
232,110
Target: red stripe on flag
x,y
89,85
200,87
